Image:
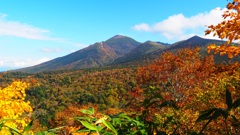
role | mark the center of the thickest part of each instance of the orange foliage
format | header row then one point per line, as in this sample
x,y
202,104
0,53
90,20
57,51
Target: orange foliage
x,y
227,29
173,77
231,51
193,83
177,73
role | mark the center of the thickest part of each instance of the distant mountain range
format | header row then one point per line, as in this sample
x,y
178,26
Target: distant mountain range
x,y
116,50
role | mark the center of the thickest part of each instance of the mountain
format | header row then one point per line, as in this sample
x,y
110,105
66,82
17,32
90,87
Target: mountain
x,y
140,51
194,41
96,55
120,51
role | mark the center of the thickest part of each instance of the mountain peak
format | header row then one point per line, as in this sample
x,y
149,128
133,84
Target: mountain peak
x,y
195,37
121,44
118,36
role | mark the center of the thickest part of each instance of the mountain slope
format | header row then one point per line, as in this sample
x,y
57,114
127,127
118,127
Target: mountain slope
x,y
140,51
96,55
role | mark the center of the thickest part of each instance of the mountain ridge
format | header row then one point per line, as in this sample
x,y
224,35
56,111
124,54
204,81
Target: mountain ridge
x,y
118,49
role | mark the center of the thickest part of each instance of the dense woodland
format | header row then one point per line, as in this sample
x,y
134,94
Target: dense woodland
x,y
170,93
180,92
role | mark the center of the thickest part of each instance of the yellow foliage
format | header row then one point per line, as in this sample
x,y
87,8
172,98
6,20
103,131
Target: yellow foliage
x,y
13,106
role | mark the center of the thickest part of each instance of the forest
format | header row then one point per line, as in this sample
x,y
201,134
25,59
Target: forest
x,y
182,92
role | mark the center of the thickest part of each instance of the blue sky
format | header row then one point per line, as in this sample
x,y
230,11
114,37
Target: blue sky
x,y
34,31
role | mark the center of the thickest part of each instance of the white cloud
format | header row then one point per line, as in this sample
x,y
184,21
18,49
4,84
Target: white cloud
x,y
11,63
2,63
142,27
179,26
20,63
50,50
210,36
17,29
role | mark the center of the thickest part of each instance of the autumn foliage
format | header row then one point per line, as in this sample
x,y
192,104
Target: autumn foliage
x,y
227,29
174,90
